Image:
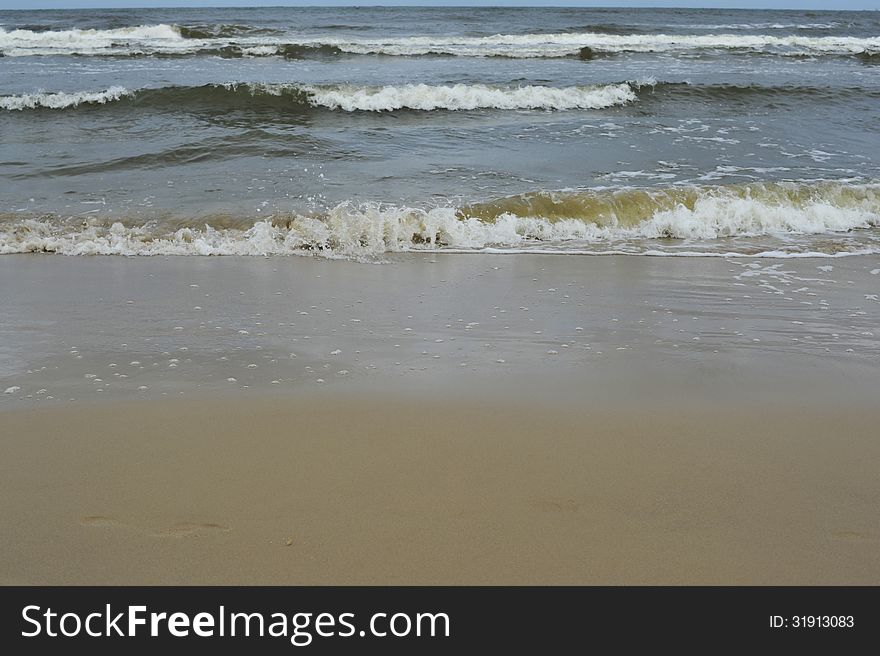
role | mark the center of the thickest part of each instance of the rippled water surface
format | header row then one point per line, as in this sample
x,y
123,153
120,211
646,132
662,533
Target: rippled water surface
x,y
363,131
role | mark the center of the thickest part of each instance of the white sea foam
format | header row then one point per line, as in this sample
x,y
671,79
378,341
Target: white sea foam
x,y
259,51
143,38
469,96
565,44
149,39
376,98
766,26
62,100
370,230
715,217
771,254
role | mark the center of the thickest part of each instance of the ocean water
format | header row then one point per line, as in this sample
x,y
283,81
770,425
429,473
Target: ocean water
x,y
358,132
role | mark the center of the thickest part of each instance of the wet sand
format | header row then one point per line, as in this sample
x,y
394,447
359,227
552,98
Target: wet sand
x,y
583,435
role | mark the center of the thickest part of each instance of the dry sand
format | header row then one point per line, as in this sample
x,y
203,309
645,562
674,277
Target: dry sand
x,y
340,489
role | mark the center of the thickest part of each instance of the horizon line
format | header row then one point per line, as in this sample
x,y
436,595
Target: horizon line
x,y
441,5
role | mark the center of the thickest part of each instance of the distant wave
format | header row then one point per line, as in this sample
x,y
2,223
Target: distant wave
x,y
347,98
221,30
626,220
765,26
22,42
570,44
163,39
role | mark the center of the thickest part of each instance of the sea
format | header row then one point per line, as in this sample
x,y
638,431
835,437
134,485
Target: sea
x,y
358,132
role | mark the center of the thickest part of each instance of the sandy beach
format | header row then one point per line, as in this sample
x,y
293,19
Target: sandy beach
x,y
445,419
384,491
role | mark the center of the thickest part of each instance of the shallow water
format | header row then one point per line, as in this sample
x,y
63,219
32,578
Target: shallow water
x,y
640,329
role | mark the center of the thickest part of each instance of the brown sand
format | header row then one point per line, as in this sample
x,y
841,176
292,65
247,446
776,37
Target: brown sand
x,y
352,488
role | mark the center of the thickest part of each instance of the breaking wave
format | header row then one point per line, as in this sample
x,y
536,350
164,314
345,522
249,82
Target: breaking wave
x,y
347,98
470,96
635,221
22,42
250,41
424,97
62,100
221,30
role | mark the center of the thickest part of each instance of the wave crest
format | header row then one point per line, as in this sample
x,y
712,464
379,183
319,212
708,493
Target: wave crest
x,y
588,218
346,98
220,30
21,42
206,39
62,100
470,96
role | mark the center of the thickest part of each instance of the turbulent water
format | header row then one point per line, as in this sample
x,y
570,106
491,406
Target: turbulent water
x,y
355,132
